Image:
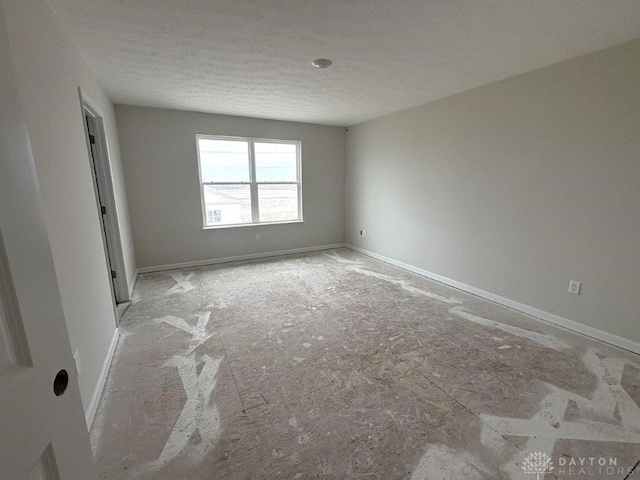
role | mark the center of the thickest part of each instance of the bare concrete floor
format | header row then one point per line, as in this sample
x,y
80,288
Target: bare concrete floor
x,y
336,366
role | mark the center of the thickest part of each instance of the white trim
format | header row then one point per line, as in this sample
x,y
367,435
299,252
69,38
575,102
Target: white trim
x,y
556,320
237,258
239,225
132,283
103,185
90,414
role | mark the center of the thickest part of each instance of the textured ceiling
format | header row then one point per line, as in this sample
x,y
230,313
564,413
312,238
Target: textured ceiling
x,y
252,57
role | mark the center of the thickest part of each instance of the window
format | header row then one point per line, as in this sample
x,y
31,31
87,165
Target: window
x,y
249,181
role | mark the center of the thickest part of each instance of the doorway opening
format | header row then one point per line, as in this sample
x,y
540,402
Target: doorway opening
x,y
105,201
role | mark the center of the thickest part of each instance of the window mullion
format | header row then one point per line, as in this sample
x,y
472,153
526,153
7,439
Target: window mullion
x,y
299,180
255,209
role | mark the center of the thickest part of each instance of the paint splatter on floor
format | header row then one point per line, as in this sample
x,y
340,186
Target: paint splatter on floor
x,y
541,338
333,365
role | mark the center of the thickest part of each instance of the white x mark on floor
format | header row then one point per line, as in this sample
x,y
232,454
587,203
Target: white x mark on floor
x,y
183,283
198,332
198,425
610,415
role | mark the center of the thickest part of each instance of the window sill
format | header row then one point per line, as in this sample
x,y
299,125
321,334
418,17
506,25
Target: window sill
x,y
240,225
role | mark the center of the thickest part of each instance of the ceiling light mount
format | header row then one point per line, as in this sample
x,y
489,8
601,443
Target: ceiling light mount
x,y
321,63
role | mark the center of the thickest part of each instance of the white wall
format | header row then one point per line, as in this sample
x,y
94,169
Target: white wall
x,y
50,69
515,188
161,167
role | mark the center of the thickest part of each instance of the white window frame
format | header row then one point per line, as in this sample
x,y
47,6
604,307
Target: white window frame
x,y
253,183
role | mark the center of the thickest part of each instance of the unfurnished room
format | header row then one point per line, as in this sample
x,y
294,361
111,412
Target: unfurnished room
x,y
319,240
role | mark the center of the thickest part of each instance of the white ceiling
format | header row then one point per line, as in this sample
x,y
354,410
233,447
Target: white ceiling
x,y
253,57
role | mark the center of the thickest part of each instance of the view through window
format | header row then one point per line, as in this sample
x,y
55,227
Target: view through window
x,y
249,181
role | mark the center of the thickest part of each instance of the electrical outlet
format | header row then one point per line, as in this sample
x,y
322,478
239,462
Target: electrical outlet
x,y
76,358
257,236
574,287
363,233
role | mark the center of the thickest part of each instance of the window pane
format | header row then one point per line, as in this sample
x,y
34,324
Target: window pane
x,y
278,203
224,160
227,204
276,162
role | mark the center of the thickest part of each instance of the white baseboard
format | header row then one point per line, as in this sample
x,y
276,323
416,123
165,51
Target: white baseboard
x,y
90,414
556,320
237,258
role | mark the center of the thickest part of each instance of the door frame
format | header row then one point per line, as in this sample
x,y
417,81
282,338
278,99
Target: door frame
x,y
103,186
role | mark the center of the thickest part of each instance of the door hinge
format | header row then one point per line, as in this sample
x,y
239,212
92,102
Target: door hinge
x,y
113,274
103,209
92,139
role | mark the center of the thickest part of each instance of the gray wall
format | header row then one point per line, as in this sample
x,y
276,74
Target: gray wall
x,y
50,68
161,170
515,188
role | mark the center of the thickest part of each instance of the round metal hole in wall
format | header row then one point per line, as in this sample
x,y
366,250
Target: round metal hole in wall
x,y
60,382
